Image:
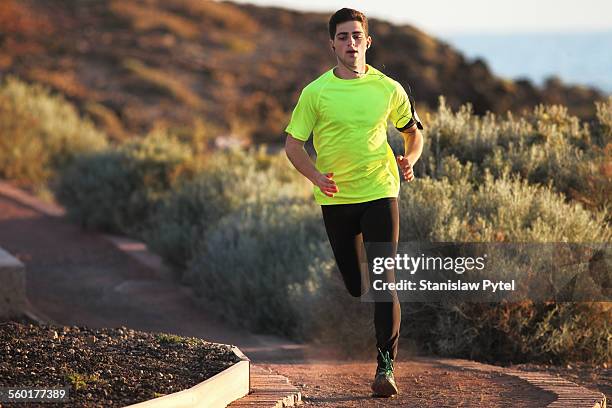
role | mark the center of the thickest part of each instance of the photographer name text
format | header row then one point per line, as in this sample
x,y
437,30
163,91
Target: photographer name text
x,y
458,285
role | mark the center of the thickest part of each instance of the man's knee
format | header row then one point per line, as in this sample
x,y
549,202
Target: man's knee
x,y
386,296
353,278
356,290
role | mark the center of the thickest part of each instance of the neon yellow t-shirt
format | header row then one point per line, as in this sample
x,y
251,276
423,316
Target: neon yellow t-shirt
x,y
348,120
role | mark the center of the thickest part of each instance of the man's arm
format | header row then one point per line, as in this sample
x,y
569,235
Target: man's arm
x,y
413,147
301,161
413,144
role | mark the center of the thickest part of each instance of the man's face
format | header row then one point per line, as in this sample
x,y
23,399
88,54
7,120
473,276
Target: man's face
x,y
350,43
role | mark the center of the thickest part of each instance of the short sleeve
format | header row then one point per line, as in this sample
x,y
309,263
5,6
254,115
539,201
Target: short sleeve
x,y
304,116
403,114
400,113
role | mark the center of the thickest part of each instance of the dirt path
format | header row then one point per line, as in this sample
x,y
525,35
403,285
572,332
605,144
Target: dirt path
x,y
422,383
78,278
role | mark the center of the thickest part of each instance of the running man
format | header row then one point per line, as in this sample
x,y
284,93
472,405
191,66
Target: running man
x,y
355,178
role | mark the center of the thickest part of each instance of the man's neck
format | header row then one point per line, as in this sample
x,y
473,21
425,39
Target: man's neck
x,y
341,71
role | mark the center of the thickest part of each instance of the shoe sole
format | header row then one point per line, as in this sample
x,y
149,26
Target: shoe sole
x,y
384,389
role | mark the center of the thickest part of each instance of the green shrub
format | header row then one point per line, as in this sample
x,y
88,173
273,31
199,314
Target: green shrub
x,y
505,209
603,128
40,133
595,191
551,153
465,135
227,181
516,332
546,146
248,232
118,189
259,263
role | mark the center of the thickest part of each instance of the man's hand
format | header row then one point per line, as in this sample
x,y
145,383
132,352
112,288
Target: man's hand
x,y
405,167
413,147
301,161
326,184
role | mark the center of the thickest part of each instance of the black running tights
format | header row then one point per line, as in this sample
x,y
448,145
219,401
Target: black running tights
x,y
348,227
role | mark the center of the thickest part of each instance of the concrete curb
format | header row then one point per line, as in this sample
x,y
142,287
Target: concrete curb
x,y
569,394
220,390
13,288
29,200
139,251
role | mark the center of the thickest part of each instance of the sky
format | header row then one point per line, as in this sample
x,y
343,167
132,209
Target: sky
x,y
446,17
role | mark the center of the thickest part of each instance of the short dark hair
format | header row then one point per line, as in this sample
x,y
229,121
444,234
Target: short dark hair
x,y
346,14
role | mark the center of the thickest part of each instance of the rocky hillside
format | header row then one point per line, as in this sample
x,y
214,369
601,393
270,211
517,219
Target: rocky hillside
x,y
231,69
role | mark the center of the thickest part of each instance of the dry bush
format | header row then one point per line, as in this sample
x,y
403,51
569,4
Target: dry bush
x,y
557,333
165,82
144,17
224,15
595,192
118,189
228,181
603,130
66,82
40,133
107,119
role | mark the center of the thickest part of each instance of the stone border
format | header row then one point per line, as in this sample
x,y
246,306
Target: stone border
x,y
13,288
14,302
220,390
140,252
569,394
31,201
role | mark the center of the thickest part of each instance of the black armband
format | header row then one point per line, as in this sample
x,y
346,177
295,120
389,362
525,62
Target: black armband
x,y
414,120
415,117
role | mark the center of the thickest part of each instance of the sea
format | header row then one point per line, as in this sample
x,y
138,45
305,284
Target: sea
x,y
583,58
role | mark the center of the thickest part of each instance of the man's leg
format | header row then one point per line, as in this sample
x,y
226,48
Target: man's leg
x,y
380,224
344,233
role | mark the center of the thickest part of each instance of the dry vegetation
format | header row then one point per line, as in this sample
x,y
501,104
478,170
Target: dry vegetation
x,y
239,67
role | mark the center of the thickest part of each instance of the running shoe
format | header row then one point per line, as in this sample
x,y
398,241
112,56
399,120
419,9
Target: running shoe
x,y
384,382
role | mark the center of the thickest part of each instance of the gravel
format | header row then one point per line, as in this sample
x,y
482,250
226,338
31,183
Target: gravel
x,y
105,367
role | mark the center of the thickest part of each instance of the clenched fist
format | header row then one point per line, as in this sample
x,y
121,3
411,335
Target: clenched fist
x,y
326,184
405,168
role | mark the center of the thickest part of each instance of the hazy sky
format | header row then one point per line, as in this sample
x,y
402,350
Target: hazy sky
x,y
447,16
